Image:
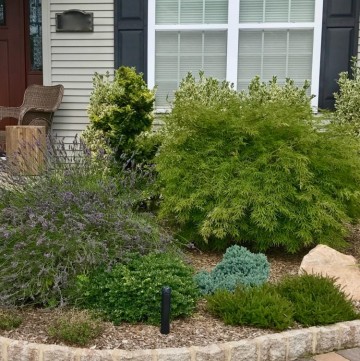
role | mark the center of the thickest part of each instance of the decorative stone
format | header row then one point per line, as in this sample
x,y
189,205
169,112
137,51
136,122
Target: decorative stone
x,y
209,353
271,347
20,351
328,339
300,343
58,353
329,262
95,355
174,354
243,350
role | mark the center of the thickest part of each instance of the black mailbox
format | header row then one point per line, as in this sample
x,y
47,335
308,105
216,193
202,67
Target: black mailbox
x,y
74,21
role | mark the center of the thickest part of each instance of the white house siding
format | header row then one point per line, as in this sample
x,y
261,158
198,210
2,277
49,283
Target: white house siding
x,y
72,59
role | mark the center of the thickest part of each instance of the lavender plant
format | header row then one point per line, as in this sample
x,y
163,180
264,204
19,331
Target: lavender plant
x,y
66,221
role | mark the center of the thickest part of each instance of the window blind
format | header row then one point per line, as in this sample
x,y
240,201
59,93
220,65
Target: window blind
x,y
266,11
180,52
284,53
191,12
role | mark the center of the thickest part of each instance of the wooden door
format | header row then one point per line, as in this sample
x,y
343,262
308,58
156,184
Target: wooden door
x,y
20,51
12,53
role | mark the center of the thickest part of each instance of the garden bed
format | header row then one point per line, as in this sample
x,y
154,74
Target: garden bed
x,y
200,329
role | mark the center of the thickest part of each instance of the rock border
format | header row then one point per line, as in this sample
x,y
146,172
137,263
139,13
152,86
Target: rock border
x,y
285,346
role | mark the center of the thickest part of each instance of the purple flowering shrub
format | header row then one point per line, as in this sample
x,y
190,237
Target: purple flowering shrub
x,y
66,222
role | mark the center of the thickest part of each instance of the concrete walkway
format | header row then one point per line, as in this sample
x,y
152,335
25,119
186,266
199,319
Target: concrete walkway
x,y
344,355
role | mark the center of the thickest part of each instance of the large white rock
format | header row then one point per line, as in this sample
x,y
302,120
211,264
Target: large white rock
x,y
329,262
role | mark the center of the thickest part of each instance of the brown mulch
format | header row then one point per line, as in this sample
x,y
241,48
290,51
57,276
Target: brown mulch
x,y
198,330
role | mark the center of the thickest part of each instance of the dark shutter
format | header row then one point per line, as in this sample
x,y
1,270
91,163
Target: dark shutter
x,y
131,34
339,44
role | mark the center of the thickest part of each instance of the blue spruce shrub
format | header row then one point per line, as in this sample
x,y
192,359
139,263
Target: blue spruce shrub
x,y
238,266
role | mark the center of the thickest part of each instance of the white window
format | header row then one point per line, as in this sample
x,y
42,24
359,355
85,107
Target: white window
x,y
233,40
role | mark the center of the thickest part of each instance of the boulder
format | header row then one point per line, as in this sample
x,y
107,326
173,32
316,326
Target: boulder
x,y
329,262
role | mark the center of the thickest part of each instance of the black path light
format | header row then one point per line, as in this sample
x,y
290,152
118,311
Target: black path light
x,y
165,310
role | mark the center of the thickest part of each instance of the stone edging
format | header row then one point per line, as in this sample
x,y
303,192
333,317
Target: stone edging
x,y
285,346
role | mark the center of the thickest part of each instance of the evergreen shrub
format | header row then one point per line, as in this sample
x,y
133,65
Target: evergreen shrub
x,y
238,267
131,291
347,100
260,306
317,300
255,167
65,222
121,108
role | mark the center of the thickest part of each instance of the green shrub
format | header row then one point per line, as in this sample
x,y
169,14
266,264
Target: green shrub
x,y
9,319
69,220
258,306
121,108
97,144
132,292
317,300
347,100
75,328
255,167
238,267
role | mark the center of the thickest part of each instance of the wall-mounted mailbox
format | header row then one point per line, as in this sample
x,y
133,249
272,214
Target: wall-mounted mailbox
x,y
74,21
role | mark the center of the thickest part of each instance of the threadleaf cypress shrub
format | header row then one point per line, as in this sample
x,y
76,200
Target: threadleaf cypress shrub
x,y
255,167
238,267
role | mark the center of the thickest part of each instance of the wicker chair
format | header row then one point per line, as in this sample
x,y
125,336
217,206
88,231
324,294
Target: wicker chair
x,y
38,107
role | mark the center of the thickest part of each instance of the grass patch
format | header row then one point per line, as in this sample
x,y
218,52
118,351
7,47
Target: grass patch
x,y
75,328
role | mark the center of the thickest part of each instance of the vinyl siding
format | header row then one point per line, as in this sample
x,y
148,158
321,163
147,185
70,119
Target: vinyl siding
x,y
74,58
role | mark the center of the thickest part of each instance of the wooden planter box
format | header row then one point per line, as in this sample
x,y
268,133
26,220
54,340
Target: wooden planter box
x,y
25,149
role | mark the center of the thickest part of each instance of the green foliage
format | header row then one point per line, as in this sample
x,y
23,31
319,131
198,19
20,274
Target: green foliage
x,y
132,292
347,100
258,306
255,167
121,108
97,144
317,300
67,221
238,267
9,319
147,145
75,328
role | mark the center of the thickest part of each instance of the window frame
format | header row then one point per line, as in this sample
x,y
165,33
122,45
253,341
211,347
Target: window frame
x,y
233,26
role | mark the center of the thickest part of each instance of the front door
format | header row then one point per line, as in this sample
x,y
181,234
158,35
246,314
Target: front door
x,y
20,50
12,52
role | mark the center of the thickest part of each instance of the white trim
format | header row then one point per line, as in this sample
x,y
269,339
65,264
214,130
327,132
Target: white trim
x,y
232,38
46,42
315,77
151,44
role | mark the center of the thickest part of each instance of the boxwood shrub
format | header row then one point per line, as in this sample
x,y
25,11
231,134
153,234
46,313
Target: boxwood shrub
x,y
131,291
